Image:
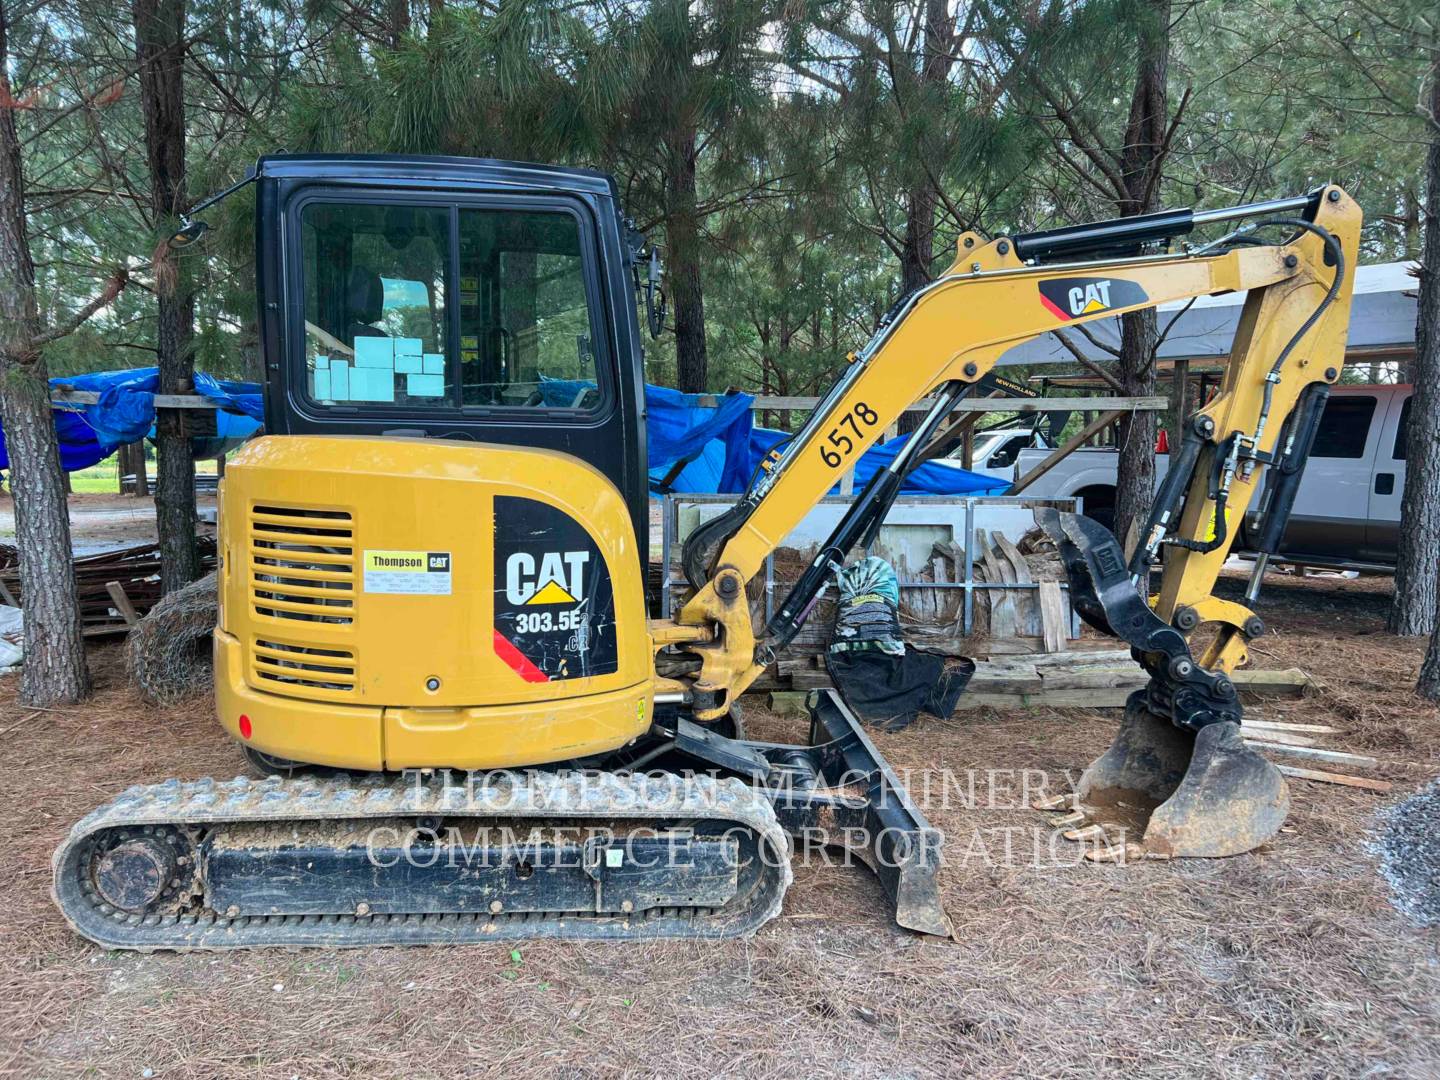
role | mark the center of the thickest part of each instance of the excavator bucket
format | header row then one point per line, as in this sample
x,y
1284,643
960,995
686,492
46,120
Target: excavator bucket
x,y
1177,781
1180,793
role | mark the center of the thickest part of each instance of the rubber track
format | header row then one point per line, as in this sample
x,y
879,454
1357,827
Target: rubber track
x,y
620,798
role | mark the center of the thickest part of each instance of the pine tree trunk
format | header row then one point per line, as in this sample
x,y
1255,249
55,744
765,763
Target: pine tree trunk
x,y
1429,684
1417,569
687,297
1141,161
54,670
1135,472
917,246
159,50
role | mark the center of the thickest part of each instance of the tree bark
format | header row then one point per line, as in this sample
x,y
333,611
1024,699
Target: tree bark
x,y
54,671
687,296
160,53
1141,160
1417,567
1135,471
1429,684
917,245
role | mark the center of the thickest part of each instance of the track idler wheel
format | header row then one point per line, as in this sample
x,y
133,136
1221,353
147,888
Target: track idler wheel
x,y
1166,792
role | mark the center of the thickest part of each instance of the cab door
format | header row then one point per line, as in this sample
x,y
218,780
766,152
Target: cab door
x,y
1387,484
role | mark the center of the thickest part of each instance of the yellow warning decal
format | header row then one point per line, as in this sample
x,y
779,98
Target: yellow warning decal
x,y
551,593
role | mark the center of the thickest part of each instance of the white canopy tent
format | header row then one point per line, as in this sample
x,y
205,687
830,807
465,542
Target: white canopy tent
x,y
1382,325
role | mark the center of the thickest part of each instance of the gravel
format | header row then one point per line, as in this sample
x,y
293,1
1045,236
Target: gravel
x,y
1408,844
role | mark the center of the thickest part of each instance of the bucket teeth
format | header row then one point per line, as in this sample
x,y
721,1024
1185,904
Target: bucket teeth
x,y
1076,817
1093,831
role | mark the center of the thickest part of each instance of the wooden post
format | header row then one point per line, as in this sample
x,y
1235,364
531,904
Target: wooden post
x,y
1179,403
1065,450
121,599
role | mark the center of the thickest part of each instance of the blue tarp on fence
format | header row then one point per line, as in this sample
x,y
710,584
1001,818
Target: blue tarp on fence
x,y
719,446
125,412
724,447
927,479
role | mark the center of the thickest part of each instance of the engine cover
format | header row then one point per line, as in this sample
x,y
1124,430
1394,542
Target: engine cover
x,y
397,602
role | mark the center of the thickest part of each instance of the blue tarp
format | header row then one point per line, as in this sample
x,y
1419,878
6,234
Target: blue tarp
x,y
720,445
926,479
725,448
125,412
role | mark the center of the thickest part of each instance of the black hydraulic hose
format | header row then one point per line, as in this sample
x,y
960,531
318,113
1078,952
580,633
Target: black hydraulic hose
x,y
1220,497
1337,254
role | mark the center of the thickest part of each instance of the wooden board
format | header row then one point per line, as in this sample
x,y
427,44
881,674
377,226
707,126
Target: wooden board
x,y
1323,777
1053,620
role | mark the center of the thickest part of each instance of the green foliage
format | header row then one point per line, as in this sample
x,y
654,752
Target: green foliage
x,y
818,127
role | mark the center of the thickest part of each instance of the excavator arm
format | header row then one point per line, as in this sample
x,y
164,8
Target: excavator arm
x,y
1293,259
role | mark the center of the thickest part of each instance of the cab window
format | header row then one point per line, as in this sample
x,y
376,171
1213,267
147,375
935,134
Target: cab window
x,y
525,333
375,316
430,307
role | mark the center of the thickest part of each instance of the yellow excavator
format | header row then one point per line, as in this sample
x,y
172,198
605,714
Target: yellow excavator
x,y
433,636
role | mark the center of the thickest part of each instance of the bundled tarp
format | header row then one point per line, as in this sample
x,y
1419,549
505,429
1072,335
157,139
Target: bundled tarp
x,y
125,412
707,449
882,678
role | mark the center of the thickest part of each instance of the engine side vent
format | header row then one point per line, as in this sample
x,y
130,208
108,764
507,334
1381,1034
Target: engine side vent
x,y
302,564
302,666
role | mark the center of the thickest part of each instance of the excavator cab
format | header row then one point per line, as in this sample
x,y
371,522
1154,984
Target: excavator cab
x,y
452,298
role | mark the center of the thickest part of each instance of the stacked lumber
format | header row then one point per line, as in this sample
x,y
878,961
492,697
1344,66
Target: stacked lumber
x,y
1090,679
116,587
1305,743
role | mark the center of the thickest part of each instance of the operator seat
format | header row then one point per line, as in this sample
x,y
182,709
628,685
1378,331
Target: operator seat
x,y
364,304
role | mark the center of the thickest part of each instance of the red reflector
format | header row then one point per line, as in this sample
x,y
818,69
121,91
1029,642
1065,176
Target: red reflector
x,y
245,728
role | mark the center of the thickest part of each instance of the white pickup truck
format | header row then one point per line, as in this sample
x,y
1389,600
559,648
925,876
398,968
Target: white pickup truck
x,y
1347,512
994,452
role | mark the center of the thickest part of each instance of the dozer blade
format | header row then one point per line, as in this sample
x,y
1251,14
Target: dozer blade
x,y
1183,794
1177,776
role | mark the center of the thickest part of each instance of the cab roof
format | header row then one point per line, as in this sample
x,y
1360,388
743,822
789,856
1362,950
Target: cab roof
x,y
443,171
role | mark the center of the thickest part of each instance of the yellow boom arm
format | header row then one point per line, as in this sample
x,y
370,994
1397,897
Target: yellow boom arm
x,y
945,337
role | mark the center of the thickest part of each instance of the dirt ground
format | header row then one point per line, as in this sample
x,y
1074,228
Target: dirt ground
x,y
101,522
1286,961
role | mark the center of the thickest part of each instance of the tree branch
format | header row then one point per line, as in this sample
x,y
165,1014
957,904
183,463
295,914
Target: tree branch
x,y
118,280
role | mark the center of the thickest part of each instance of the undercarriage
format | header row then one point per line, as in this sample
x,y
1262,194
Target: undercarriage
x,y
445,857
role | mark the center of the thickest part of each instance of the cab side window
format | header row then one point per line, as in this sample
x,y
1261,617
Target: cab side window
x,y
375,303
1344,427
525,331
1402,431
